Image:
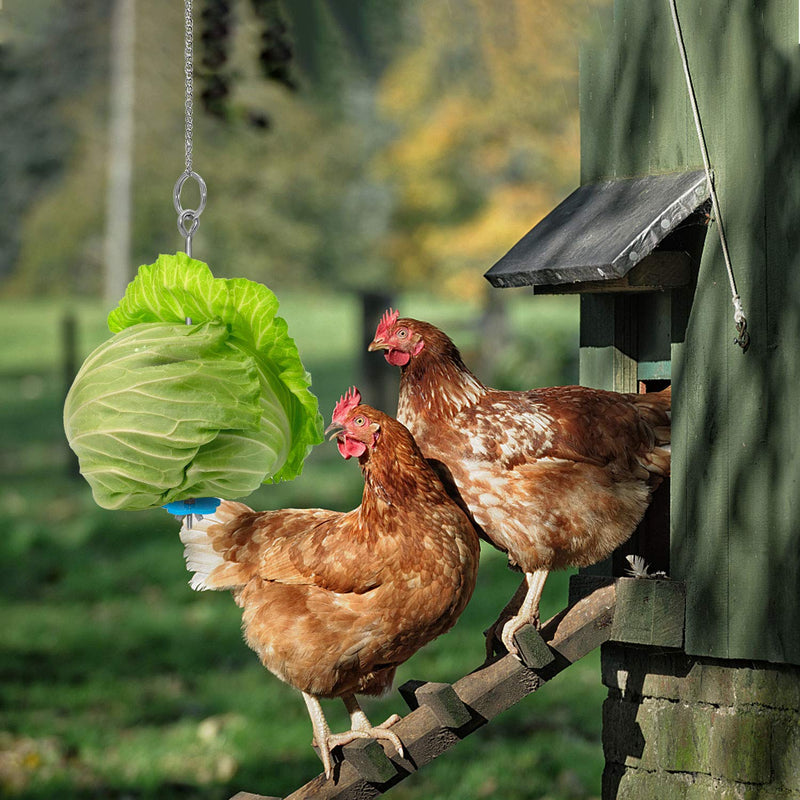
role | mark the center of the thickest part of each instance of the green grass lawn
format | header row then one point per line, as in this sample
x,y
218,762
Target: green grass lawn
x,y
118,681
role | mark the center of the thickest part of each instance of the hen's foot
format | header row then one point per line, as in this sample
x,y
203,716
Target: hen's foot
x,y
526,612
521,610
367,731
360,728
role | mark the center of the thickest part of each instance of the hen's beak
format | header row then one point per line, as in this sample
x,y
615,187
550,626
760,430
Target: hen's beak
x,y
377,344
333,430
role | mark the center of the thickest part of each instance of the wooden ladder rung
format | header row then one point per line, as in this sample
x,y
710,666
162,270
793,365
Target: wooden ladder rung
x,y
533,649
369,760
440,698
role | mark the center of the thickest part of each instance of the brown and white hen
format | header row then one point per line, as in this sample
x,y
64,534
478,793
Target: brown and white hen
x,y
333,602
555,477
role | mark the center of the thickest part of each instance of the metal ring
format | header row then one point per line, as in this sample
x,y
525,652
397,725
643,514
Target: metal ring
x,y
185,216
176,193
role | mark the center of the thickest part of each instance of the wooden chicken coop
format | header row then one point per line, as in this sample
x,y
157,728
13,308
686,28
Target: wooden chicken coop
x,y
719,715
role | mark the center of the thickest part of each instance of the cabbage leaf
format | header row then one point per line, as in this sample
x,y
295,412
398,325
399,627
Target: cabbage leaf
x,y
166,411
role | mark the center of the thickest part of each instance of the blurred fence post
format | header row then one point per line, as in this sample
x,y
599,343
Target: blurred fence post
x,y
120,152
494,334
69,361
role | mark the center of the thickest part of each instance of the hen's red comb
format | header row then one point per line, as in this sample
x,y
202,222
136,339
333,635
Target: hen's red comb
x,y
387,320
347,402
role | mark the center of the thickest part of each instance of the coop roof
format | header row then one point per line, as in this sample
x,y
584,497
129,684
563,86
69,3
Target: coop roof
x,y
601,230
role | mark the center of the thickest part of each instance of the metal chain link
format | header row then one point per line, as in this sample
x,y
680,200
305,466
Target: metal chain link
x,y
188,60
188,218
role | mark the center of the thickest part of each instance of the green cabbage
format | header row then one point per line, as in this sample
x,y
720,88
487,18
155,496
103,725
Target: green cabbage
x,y
166,411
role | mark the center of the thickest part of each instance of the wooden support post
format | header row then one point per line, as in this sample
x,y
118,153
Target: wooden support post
x,y
69,359
379,381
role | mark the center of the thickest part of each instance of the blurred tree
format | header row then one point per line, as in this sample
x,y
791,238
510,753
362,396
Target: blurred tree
x,y
216,28
397,140
485,103
294,207
119,200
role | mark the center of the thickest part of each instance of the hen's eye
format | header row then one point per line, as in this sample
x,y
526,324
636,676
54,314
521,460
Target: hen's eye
x,y
359,421
402,333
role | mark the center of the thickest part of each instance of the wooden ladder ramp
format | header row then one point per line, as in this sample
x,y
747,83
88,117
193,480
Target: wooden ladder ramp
x,y
631,610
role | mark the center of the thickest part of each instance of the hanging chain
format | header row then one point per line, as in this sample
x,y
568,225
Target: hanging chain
x,y
739,318
188,218
188,69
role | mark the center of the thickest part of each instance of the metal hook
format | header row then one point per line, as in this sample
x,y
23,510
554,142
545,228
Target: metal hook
x,y
188,215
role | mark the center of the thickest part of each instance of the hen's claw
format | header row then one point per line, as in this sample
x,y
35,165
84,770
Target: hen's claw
x,y
325,757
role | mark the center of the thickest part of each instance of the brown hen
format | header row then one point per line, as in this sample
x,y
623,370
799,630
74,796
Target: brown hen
x,y
556,477
333,602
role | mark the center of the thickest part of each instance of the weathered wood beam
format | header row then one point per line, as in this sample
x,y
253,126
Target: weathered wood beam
x,y
656,272
648,611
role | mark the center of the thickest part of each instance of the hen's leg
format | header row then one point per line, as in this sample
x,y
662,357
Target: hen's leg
x,y
528,611
322,733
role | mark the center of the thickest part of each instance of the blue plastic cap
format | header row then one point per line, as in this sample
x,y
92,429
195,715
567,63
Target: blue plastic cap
x,y
201,506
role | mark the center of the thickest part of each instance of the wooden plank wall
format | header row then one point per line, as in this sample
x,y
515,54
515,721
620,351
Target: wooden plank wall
x,y
735,536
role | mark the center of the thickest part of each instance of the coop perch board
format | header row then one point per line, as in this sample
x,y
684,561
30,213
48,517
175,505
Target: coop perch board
x,y
630,610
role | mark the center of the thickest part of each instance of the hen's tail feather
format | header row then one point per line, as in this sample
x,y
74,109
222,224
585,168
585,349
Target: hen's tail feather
x,y
208,565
